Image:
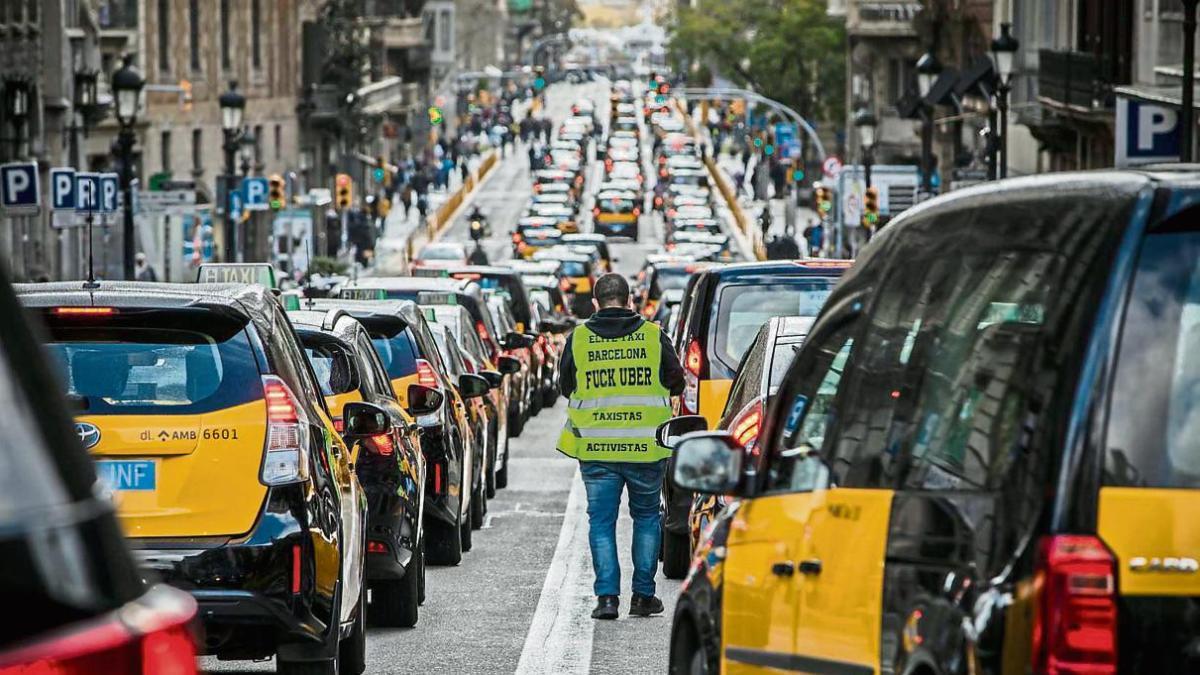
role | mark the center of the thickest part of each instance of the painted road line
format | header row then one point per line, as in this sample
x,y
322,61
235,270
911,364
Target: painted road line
x,y
560,637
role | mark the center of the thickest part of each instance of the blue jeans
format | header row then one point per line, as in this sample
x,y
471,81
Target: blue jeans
x,y
604,481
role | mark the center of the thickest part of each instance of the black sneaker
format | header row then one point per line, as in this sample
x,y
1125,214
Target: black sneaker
x,y
645,605
608,607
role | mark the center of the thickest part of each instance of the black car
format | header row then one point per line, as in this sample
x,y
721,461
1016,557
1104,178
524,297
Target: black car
x,y
390,466
187,387
69,579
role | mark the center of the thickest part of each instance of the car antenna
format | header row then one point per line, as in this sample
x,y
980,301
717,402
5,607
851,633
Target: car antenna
x,y
308,285
90,284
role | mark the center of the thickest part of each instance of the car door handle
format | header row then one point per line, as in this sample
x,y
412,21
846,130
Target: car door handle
x,y
783,569
811,566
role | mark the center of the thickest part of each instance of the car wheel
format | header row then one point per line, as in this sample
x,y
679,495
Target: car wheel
x,y
444,543
478,508
490,471
464,534
352,652
516,424
502,473
549,397
676,555
327,667
687,656
395,603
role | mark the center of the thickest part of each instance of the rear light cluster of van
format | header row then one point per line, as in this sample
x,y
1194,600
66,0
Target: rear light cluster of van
x,y
746,425
285,460
693,364
1075,630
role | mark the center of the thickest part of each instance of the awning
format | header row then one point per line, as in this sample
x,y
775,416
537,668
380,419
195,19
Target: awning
x,y
1163,94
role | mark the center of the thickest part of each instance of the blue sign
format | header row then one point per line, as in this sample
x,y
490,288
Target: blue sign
x,y
254,191
236,204
1146,132
128,474
62,189
19,191
109,189
87,192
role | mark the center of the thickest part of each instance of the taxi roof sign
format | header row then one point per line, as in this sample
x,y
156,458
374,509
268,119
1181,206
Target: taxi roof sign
x,y
436,298
237,273
363,294
430,272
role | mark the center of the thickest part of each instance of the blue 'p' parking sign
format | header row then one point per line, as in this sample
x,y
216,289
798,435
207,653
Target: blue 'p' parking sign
x,y
109,184
62,189
19,190
1146,132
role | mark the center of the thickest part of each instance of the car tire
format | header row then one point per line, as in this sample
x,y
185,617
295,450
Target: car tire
x,y
395,602
676,555
493,457
327,667
516,424
478,508
549,397
352,652
465,535
421,578
502,472
444,543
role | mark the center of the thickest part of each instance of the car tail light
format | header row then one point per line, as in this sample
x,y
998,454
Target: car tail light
x,y
658,201
693,363
637,211
565,284
595,210
1075,629
516,237
541,340
85,311
437,478
297,569
376,547
481,331
383,444
286,456
425,375
694,358
339,425
745,426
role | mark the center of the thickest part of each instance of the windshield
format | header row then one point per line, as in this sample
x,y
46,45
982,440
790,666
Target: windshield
x,y
615,204
1154,424
139,370
669,279
743,308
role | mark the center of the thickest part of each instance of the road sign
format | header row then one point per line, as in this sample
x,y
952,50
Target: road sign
x,y
109,189
236,205
831,166
19,190
1146,133
254,193
87,192
167,202
62,189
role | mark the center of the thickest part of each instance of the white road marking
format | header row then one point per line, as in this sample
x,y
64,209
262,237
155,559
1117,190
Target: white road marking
x,y
560,636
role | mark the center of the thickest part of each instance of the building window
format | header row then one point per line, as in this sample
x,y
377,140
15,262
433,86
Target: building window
x,y
226,48
164,36
194,33
165,147
258,145
256,33
899,76
445,25
278,142
197,151
430,28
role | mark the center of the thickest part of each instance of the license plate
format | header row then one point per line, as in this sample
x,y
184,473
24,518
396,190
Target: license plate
x,y
128,474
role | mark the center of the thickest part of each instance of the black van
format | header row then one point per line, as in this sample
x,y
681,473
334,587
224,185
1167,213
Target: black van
x,y
979,461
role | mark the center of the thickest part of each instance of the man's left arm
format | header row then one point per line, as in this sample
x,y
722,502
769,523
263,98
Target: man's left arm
x,y
670,371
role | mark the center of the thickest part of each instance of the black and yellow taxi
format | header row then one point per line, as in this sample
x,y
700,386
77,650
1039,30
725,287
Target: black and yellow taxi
x,y
723,308
616,214
527,241
578,272
979,461
597,244
663,276
70,581
390,466
178,388
566,217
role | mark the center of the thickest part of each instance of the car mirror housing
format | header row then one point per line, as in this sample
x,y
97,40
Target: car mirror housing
x,y
365,419
472,386
708,463
493,377
423,400
516,341
509,365
669,432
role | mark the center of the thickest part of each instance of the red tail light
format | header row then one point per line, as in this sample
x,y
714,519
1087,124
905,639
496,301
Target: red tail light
x,y
658,201
1075,629
285,458
85,311
297,569
565,284
637,211
383,444
437,478
746,425
376,547
425,375
671,213
339,425
694,358
541,340
516,237
596,211
280,405
481,331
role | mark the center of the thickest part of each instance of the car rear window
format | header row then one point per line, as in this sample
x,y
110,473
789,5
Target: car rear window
x,y
146,366
743,308
615,205
334,367
435,252
1154,418
397,352
574,268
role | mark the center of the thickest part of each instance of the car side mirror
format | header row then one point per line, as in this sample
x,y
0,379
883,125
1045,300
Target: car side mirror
x,y
472,386
493,377
669,432
516,340
365,419
509,365
558,327
423,400
708,463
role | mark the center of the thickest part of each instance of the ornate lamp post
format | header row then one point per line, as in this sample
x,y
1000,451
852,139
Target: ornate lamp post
x,y
1004,49
928,70
232,104
127,86
865,123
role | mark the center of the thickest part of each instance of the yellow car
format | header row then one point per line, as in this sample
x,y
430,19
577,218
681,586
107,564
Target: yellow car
x,y
983,459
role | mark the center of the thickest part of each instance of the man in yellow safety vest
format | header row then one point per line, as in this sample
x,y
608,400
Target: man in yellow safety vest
x,y
619,372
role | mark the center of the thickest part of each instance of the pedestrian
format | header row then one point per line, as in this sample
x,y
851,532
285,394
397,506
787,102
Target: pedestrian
x,y
464,170
533,155
406,198
422,205
619,372
145,272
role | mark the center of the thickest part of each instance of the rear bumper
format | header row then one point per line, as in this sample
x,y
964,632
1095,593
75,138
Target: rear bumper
x,y
233,608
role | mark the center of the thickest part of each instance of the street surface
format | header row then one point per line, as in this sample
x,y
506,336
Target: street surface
x,y
521,600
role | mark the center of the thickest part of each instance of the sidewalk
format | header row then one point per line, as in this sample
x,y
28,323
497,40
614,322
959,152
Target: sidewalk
x,y
754,208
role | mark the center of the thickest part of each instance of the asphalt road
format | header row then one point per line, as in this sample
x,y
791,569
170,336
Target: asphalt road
x,y
521,599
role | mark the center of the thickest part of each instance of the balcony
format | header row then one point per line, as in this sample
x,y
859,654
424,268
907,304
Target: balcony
x,y
117,14
397,32
1073,80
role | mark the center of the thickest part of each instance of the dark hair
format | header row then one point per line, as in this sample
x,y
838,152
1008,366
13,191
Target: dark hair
x,y
611,290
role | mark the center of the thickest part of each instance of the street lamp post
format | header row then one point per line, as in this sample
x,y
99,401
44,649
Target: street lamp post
x,y
232,104
1004,48
865,122
928,70
1187,114
127,86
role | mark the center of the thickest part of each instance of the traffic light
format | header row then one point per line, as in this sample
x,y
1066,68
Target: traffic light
x,y
344,197
379,173
435,116
870,213
276,192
